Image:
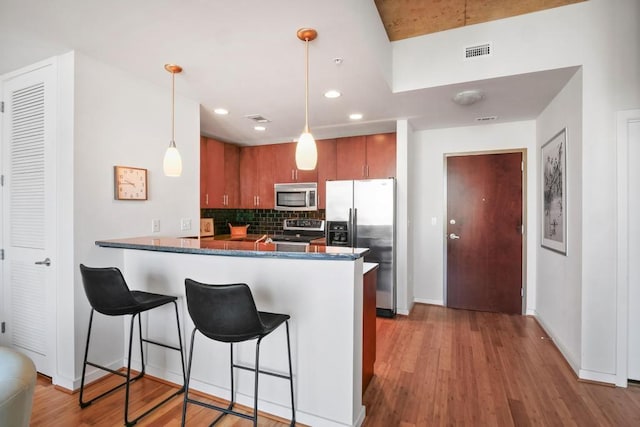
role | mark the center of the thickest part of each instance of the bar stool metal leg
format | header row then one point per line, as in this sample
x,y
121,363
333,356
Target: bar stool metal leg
x,y
293,408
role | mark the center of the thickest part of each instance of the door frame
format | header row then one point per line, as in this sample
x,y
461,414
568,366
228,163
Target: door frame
x,y
523,152
622,258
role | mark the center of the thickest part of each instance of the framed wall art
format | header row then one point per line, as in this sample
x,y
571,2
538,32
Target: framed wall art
x,y
554,193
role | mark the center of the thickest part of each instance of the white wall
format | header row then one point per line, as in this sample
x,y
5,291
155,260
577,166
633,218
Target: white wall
x,y
404,234
559,290
122,120
548,39
65,330
427,181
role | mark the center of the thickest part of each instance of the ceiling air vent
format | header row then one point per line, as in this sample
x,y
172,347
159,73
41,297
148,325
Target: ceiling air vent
x,y
486,119
478,50
258,118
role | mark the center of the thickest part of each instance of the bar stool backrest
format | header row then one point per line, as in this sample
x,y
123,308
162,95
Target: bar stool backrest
x,y
224,313
107,291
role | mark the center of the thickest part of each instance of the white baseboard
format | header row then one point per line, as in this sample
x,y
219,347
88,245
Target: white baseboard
x,y
583,374
600,377
429,301
574,364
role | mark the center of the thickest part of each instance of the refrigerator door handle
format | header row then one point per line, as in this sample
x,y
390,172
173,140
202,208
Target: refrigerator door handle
x,y
350,227
354,228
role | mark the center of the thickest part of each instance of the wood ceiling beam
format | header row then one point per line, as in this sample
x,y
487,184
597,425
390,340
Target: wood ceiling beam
x,y
410,18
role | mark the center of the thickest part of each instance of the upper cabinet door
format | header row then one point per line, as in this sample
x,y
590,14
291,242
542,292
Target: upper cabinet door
x,y
215,173
211,173
381,155
285,162
232,175
351,157
326,168
265,167
285,165
203,172
248,177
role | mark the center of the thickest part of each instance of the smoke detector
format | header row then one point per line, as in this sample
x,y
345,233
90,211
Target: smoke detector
x,y
467,97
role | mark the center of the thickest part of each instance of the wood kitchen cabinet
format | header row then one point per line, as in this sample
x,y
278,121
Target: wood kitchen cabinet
x,y
369,283
232,175
219,174
256,177
351,157
203,172
285,165
366,157
326,168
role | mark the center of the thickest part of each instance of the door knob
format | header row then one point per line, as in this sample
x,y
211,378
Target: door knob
x,y
453,236
46,262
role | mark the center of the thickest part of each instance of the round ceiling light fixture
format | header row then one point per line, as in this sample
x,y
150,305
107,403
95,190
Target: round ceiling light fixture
x,y
332,94
221,111
467,97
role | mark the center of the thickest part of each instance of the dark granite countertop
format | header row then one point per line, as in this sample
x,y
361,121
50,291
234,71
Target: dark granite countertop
x,y
247,247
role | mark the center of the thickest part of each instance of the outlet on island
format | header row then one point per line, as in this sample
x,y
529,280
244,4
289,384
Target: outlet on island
x,y
185,224
155,225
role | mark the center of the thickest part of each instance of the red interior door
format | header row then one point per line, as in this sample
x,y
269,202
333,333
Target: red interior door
x,y
484,232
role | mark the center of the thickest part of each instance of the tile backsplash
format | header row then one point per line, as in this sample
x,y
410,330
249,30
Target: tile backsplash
x,y
261,221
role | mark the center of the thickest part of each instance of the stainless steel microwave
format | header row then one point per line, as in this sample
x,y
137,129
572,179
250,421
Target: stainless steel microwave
x,y
298,196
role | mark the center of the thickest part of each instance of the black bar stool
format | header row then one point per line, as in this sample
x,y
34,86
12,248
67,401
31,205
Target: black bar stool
x,y
109,294
228,313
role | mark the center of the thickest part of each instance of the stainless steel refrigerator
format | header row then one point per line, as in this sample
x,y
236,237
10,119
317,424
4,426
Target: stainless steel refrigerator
x,y
362,214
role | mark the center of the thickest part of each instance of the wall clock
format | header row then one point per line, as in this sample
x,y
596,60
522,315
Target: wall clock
x,y
130,183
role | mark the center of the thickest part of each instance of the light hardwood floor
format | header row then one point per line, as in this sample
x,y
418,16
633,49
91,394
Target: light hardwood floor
x,y
436,367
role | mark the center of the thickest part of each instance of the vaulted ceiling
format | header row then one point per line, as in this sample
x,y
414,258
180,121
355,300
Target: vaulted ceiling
x,y
245,56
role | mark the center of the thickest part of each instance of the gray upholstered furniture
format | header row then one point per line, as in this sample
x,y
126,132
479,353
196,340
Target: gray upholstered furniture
x,y
17,383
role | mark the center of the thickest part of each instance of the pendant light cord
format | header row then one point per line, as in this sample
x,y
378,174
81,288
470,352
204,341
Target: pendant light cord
x,y
173,108
306,86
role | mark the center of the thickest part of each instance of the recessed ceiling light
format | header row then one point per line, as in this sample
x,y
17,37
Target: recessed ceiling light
x,y
332,94
260,128
355,116
221,111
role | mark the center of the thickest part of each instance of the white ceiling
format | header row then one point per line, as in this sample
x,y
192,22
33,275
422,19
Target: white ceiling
x,y
244,55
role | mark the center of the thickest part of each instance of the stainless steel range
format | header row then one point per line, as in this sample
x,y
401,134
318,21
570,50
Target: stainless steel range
x,y
298,233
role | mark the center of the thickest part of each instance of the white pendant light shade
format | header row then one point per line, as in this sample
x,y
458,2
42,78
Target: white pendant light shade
x,y
306,152
172,164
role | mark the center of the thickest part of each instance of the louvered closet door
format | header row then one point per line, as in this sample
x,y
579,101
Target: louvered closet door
x,y
28,216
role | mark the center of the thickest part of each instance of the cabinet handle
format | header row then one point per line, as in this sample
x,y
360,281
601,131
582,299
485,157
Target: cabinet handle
x,y
293,171
363,175
296,174
206,199
367,171
258,198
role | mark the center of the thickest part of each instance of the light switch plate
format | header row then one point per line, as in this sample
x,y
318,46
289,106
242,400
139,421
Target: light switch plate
x,y
185,224
155,225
